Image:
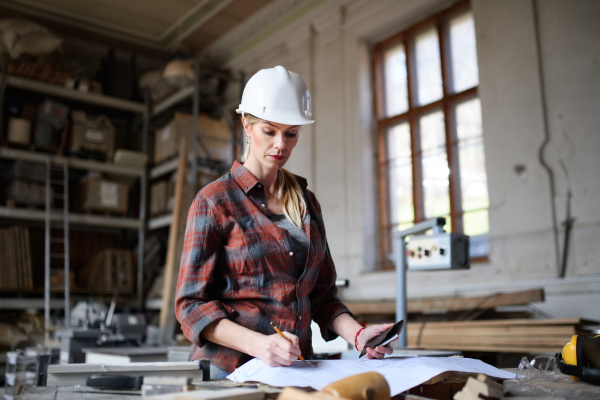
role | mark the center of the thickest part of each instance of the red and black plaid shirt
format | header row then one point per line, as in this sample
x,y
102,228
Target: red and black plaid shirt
x,y
237,264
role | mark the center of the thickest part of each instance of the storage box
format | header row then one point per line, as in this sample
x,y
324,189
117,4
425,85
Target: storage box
x,y
91,134
52,112
19,130
158,198
215,134
103,195
29,193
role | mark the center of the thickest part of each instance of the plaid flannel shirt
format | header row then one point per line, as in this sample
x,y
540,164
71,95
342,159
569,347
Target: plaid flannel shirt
x,y
235,265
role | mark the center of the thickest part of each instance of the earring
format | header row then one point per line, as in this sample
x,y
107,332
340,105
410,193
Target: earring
x,y
248,139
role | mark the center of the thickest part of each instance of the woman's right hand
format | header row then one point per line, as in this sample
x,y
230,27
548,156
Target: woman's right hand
x,y
276,351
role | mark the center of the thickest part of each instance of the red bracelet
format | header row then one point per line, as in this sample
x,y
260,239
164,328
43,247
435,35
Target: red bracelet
x,y
356,339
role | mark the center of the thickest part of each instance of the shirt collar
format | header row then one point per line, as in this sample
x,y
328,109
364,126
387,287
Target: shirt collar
x,y
243,177
247,181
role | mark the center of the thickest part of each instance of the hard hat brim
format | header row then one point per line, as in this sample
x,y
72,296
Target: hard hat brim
x,y
281,117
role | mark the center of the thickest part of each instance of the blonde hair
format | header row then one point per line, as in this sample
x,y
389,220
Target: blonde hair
x,y
289,193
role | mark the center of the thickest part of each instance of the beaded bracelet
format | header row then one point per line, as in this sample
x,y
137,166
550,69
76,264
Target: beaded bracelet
x,y
356,338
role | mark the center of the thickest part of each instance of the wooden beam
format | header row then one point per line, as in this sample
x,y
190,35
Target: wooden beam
x,y
512,322
500,331
449,304
167,312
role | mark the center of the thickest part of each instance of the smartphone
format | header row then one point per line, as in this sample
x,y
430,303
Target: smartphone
x,y
384,338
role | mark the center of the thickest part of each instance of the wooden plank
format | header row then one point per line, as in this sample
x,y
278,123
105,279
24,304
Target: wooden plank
x,y
28,258
167,312
484,340
449,304
502,331
504,349
11,260
3,260
513,322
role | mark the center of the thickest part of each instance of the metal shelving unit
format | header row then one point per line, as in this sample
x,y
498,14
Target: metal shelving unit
x,y
53,161
74,218
88,98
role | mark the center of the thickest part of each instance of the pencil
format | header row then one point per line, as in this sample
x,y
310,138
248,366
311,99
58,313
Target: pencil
x,y
283,336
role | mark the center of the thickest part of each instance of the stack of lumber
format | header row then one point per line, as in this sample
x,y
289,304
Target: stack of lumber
x,y
15,259
510,335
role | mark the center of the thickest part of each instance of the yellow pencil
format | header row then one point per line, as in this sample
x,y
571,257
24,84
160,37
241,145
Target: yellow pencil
x,y
283,336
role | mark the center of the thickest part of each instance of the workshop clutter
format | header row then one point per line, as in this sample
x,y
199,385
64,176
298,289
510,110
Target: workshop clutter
x,y
510,335
15,259
28,193
112,270
44,129
480,388
26,184
97,194
214,136
91,135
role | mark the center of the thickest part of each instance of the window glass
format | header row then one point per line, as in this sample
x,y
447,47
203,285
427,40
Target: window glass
x,y
395,83
476,222
400,174
473,177
463,53
435,165
429,70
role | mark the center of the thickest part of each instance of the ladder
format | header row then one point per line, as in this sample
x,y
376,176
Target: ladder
x,y
56,176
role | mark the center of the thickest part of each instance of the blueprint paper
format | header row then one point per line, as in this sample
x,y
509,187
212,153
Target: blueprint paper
x,y
401,373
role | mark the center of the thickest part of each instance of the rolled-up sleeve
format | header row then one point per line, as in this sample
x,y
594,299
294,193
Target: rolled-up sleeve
x,y
195,304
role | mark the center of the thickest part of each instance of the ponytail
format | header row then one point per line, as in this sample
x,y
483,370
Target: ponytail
x,y
290,194
291,197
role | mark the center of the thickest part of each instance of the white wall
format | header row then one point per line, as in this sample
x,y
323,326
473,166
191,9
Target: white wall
x,y
328,43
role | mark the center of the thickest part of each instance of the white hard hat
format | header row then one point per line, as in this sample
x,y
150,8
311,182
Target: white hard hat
x,y
277,95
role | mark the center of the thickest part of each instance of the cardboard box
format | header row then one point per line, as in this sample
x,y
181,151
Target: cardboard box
x,y
104,196
215,134
158,198
91,134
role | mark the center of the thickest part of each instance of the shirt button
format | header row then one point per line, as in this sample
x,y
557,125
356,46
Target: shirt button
x,y
291,253
300,318
262,205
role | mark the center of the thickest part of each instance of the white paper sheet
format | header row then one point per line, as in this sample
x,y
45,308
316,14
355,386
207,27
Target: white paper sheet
x,y
401,373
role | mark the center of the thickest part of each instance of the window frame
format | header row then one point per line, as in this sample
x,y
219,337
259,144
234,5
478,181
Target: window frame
x,y
446,104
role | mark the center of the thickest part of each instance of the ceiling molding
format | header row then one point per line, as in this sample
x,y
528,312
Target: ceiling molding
x,y
258,27
49,15
193,20
178,31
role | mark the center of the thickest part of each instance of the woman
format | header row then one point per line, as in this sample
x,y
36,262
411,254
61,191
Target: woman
x,y
255,250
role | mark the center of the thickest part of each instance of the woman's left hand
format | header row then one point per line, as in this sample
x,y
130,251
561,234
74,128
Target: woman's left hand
x,y
368,334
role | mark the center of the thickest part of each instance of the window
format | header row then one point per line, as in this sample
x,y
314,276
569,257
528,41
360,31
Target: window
x,y
430,142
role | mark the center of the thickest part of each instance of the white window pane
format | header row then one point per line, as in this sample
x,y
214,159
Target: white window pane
x,y
394,80
429,69
471,156
435,165
476,222
401,191
463,53
432,131
468,119
473,177
399,175
398,141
